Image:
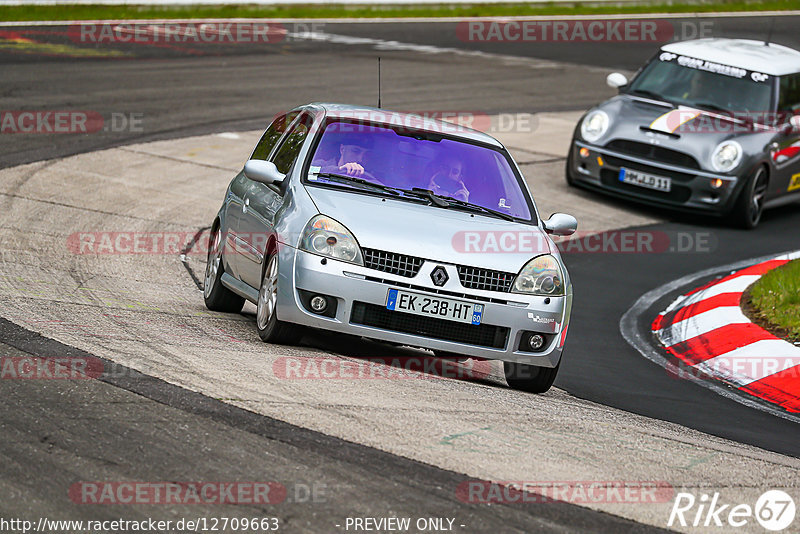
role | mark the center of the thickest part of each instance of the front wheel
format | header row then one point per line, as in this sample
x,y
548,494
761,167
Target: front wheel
x,y
530,378
270,329
750,204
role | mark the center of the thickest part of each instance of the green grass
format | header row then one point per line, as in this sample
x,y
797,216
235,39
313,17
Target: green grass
x,y
333,11
776,298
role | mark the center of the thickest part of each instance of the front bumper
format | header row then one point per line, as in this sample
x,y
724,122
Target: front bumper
x,y
691,188
358,288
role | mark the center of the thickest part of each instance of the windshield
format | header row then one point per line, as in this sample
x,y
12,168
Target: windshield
x,y
704,85
405,159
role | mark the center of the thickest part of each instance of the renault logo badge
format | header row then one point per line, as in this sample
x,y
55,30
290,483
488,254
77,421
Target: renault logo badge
x,y
439,276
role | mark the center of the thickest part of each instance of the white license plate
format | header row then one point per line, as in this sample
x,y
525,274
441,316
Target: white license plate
x,y
419,304
650,181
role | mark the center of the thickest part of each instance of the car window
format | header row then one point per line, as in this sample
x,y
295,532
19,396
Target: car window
x,y
399,158
679,80
789,99
291,145
273,133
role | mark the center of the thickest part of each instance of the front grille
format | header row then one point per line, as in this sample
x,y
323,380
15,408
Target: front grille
x,y
482,335
391,262
485,279
678,193
653,152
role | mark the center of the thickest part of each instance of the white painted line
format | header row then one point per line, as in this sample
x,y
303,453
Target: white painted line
x,y
735,285
752,362
700,324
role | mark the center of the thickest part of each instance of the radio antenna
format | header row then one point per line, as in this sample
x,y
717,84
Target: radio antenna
x,y
379,81
769,34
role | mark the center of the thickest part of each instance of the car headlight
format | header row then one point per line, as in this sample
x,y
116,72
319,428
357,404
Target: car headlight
x,y
594,125
326,237
540,276
726,156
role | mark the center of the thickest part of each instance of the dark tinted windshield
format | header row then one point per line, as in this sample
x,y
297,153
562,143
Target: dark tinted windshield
x,y
405,160
705,85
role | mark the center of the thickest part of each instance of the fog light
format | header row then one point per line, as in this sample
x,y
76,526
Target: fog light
x,y
716,183
318,304
536,341
584,152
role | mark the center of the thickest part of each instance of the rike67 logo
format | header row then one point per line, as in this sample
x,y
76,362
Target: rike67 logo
x,y
774,510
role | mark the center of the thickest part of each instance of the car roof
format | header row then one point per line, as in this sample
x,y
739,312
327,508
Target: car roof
x,y
772,59
423,120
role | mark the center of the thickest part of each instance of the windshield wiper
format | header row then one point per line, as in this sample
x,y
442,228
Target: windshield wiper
x,y
450,202
710,106
352,179
651,94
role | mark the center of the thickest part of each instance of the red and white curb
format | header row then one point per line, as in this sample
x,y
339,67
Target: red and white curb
x,y
707,332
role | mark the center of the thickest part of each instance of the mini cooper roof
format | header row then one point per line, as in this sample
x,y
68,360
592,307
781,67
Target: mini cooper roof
x,y
772,59
422,120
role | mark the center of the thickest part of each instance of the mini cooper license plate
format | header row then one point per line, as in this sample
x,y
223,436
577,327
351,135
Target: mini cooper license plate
x,y
650,181
419,304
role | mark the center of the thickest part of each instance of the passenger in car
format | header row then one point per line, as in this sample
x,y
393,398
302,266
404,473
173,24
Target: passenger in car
x,y
448,181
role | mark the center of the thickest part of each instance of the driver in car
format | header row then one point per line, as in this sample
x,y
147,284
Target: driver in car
x,y
351,160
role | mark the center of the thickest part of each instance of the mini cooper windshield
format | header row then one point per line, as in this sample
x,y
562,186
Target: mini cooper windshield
x,y
418,166
704,85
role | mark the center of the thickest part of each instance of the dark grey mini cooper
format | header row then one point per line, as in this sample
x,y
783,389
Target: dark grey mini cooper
x,y
709,126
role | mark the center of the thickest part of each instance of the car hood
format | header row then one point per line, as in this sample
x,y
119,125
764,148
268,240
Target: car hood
x,y
691,131
430,232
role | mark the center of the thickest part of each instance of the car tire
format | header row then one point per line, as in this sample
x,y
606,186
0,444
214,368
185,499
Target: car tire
x,y
216,296
270,329
568,169
529,378
750,204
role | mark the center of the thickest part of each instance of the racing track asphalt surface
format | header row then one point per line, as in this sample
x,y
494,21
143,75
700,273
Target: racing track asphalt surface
x,y
181,95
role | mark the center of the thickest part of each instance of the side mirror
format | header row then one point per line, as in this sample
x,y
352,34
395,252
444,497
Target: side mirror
x,y
263,171
560,224
616,80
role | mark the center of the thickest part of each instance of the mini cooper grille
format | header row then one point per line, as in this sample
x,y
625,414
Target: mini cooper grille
x,y
390,262
482,335
485,279
654,153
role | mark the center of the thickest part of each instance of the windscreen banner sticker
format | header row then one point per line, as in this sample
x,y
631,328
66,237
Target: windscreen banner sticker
x,y
710,66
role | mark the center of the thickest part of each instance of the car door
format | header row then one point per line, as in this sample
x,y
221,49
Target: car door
x,y
240,257
262,202
786,146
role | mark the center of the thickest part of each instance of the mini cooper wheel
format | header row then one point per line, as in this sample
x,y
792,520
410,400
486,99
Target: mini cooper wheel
x,y
270,329
216,296
750,204
530,378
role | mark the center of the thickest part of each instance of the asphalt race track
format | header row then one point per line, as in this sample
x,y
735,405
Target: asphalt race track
x,y
195,396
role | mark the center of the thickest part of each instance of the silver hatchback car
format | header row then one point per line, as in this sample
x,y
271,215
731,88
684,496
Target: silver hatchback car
x,y
398,228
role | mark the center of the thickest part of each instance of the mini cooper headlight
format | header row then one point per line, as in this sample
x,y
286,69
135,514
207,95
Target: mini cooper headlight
x,y
540,276
594,125
326,237
726,156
